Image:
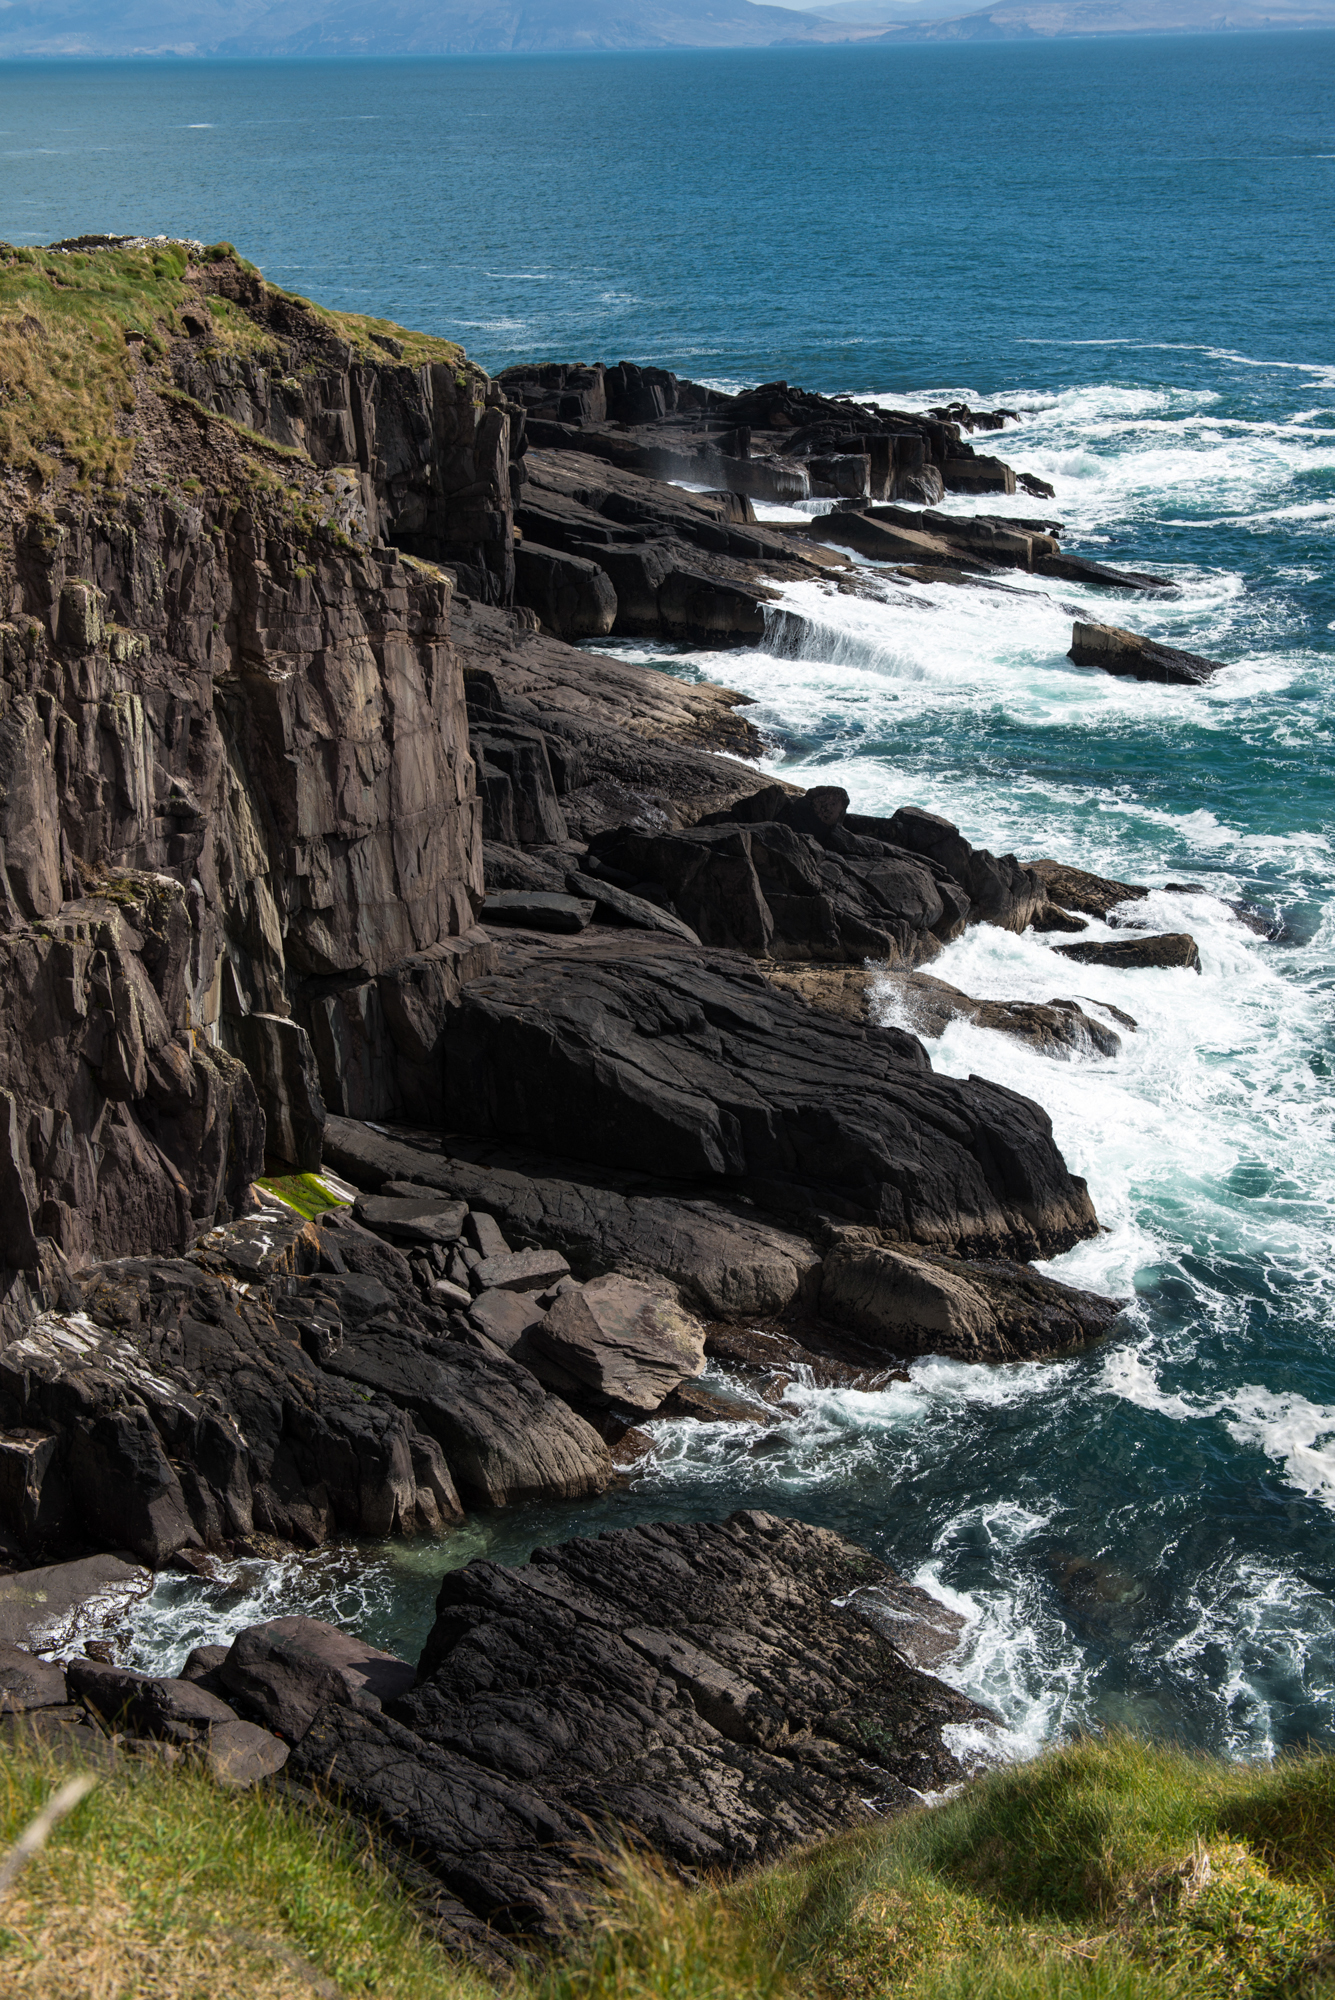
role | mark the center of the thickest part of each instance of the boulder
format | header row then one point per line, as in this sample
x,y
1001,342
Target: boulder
x,y
27,1682
623,1343
618,905
241,1754
485,1235
505,1317
417,1218
287,1668
906,1305
719,1692
1173,948
974,1309
522,1271
573,597
1130,654
176,1711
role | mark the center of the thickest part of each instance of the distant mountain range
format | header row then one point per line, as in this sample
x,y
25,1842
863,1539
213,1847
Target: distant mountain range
x,y
488,27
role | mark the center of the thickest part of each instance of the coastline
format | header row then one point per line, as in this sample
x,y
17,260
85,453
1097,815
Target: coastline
x,y
613,935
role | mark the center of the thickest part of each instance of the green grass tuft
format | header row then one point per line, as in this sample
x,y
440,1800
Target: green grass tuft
x,y
306,1193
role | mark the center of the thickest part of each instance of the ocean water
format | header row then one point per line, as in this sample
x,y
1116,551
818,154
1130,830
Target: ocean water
x,y
1129,246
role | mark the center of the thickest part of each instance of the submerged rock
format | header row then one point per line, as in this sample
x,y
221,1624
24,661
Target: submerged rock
x,y
1129,653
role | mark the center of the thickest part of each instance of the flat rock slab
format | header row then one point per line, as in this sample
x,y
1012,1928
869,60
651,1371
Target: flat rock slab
x,y
505,1317
623,1343
637,1055
27,1682
58,1607
240,1754
522,1271
637,911
538,910
1138,658
421,1218
1171,949
285,1669
178,1711
710,1688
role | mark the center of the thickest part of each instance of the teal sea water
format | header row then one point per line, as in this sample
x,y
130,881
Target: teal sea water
x,y
1130,245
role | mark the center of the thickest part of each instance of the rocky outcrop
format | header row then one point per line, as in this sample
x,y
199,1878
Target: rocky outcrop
x,y
1131,654
634,1054
719,1692
1061,1028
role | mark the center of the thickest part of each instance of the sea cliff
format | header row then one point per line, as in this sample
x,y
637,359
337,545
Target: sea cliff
x,y
327,851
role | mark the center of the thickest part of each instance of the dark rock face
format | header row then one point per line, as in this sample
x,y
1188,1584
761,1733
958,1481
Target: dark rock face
x,y
238,795
694,1067
788,878
694,1686
1141,659
1077,889
1174,948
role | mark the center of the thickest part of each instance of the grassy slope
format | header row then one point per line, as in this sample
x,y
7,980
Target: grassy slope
x,y
1106,1871
67,364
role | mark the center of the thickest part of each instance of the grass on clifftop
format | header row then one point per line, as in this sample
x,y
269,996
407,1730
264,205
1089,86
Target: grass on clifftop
x,y
71,322
1104,1871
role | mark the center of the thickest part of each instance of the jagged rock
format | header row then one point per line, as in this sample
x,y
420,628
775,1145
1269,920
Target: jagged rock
x,y
27,1682
1129,653
621,1342
1077,889
1054,1027
694,1685
185,1410
286,1669
693,1067
485,1235
776,890
1173,948
503,1438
